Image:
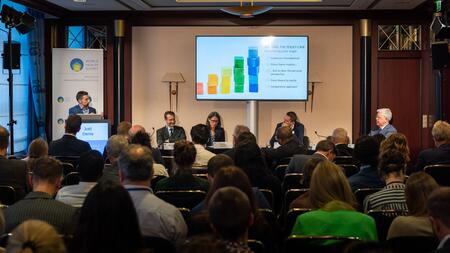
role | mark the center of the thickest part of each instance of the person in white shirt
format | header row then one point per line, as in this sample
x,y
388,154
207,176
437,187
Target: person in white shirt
x,y
200,136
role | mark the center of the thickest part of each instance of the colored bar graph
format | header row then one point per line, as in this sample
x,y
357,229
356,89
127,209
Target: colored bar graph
x,y
226,80
253,68
238,73
213,81
199,88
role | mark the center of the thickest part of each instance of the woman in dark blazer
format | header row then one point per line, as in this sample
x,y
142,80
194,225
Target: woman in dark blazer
x,y
216,132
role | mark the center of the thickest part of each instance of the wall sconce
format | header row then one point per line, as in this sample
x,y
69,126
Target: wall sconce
x,y
173,78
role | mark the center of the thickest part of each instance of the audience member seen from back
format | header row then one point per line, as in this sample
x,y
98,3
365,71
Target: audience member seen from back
x,y
13,172
39,204
289,146
290,120
122,130
37,237
440,154
230,213
384,115
115,145
184,156
156,217
69,145
331,194
108,222
214,125
366,152
341,140
238,130
438,205
90,169
392,166
303,200
398,141
143,138
325,150
199,136
419,186
38,148
170,132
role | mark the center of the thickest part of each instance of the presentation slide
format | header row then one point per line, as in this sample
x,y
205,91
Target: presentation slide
x,y
96,133
251,67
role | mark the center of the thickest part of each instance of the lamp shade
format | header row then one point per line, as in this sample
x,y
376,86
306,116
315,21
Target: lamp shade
x,y
174,77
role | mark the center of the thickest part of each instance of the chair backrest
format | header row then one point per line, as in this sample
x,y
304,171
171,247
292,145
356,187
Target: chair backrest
x,y
292,181
4,240
68,168
186,212
291,218
317,244
284,161
155,180
268,194
74,160
407,244
182,198
291,195
280,171
7,195
383,220
199,170
361,194
256,246
201,175
343,160
158,245
349,169
440,173
72,178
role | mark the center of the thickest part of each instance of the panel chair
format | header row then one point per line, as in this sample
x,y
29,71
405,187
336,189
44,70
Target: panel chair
x,y
182,198
440,173
383,220
317,244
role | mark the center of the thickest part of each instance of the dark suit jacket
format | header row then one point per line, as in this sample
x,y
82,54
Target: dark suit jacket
x,y
219,135
343,150
298,162
77,110
14,173
367,177
440,155
299,131
162,135
289,149
68,145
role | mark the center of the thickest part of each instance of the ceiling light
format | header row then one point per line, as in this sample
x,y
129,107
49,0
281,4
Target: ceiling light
x,y
246,11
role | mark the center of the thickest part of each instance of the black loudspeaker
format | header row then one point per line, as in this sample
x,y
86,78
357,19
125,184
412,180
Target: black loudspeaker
x,y
439,53
15,55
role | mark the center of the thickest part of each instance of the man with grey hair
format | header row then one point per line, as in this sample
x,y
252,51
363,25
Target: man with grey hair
x,y
384,115
156,217
341,140
441,153
115,145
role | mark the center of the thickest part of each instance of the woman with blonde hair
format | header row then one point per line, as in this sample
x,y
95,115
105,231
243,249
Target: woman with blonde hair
x,y
331,195
35,236
418,187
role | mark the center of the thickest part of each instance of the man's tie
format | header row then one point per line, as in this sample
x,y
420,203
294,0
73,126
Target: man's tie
x,y
170,132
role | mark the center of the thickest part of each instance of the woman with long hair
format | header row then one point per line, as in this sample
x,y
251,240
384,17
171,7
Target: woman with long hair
x,y
216,132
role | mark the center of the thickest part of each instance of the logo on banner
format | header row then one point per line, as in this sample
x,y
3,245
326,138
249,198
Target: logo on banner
x,y
76,64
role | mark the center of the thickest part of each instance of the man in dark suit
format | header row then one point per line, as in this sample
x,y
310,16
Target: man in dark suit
x,y
69,145
438,205
440,154
290,120
170,132
238,130
82,107
341,141
12,172
39,204
290,146
325,150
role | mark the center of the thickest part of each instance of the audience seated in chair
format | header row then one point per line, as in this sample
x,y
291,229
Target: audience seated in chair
x,y
325,150
90,170
37,148
303,200
289,146
39,204
200,136
331,194
13,172
418,188
230,213
438,205
141,137
341,140
156,217
184,156
68,144
108,222
123,129
238,130
366,152
115,145
440,154
392,166
35,236
398,141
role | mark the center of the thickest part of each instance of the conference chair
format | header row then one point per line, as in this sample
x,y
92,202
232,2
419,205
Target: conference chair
x,y
186,212
7,195
408,244
68,168
343,160
268,194
158,245
201,175
292,181
280,171
383,220
284,161
256,246
199,170
349,169
361,194
4,240
155,180
292,194
317,244
291,218
72,178
74,160
182,198
440,173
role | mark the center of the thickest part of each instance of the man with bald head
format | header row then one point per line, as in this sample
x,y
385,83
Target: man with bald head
x,y
341,141
289,146
156,154
134,129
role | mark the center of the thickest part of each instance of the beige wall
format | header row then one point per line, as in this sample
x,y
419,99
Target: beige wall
x,y
157,50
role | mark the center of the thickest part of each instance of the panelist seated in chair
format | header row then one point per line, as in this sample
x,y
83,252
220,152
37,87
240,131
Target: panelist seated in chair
x,y
384,115
82,107
170,132
290,120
